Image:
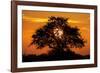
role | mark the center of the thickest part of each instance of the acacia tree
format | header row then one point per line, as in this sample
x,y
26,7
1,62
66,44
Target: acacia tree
x,y
58,35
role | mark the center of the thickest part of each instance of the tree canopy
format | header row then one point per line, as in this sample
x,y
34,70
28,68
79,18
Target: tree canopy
x,y
58,35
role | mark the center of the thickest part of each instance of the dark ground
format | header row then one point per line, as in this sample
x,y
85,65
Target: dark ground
x,y
69,55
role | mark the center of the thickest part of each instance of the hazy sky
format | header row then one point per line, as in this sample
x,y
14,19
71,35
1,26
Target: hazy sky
x,y
33,20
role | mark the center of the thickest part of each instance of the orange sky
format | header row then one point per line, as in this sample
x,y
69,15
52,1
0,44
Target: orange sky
x,y
33,20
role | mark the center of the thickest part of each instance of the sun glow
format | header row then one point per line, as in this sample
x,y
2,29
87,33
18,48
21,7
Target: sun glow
x,y
73,21
37,20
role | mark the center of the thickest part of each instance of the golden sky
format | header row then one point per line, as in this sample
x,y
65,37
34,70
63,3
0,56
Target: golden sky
x,y
33,20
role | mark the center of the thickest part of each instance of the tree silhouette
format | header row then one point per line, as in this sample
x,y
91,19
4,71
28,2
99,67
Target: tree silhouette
x,y
58,35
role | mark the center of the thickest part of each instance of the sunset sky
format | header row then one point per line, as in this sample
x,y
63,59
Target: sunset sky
x,y
33,20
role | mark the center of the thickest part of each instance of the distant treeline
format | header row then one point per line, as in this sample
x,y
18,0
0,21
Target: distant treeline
x,y
69,55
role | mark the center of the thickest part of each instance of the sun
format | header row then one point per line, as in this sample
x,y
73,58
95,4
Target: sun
x,y
58,32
